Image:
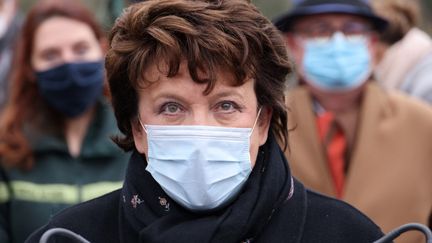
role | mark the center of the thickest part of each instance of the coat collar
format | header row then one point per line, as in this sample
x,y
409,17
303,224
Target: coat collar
x,y
307,147
149,214
97,142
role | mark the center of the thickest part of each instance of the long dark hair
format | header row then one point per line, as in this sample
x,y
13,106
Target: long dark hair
x,y
25,103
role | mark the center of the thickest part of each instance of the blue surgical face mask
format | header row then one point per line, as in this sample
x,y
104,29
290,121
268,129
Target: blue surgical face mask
x,y
72,88
339,64
200,167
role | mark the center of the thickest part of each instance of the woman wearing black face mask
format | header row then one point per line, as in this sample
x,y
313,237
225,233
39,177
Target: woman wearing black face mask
x,y
54,133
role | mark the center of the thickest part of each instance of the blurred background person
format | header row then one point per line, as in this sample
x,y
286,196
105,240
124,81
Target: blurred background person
x,y
405,53
55,145
352,139
10,23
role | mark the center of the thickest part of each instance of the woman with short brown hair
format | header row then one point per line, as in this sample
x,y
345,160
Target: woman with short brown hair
x,y
198,91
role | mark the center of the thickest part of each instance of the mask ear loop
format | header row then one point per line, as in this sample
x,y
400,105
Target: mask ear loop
x,y
139,119
256,121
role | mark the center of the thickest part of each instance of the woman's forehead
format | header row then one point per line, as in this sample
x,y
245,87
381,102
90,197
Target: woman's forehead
x,y
159,71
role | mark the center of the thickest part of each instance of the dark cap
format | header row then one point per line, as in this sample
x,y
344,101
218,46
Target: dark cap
x,y
310,7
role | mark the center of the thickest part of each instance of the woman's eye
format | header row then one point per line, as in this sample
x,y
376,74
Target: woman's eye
x,y
171,108
50,55
81,50
227,106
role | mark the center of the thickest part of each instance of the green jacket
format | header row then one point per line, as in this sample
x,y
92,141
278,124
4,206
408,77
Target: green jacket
x,y
28,199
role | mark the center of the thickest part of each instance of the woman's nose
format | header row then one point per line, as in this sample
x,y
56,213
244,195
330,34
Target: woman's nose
x,y
201,117
69,57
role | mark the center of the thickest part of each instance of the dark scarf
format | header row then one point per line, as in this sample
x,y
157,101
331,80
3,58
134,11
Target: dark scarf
x,y
149,215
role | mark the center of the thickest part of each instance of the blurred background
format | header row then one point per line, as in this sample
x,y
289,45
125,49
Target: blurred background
x,y
272,8
107,10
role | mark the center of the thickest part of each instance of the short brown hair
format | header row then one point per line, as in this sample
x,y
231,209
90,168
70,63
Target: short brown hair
x,y
229,35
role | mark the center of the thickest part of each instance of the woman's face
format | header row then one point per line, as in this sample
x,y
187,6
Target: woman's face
x,y
61,40
180,101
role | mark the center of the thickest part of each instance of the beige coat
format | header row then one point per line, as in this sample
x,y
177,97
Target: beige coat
x,y
390,172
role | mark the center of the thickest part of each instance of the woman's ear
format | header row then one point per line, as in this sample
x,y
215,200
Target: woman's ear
x,y
263,124
139,135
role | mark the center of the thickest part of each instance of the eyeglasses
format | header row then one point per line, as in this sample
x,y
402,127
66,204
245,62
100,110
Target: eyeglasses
x,y
324,31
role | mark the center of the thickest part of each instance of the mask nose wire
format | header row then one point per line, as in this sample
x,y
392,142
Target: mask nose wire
x,y
139,119
256,121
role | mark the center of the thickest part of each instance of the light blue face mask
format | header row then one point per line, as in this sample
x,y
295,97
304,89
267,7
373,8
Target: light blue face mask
x,y
200,167
339,64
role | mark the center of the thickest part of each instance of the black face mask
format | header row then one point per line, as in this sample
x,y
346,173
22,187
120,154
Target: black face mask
x,y
72,88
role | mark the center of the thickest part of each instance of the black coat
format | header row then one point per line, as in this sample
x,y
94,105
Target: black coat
x,y
271,208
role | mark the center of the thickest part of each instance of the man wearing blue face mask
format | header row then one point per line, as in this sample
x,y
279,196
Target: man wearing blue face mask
x,y
351,139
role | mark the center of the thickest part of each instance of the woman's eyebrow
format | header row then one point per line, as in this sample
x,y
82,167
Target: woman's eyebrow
x,y
168,95
229,93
